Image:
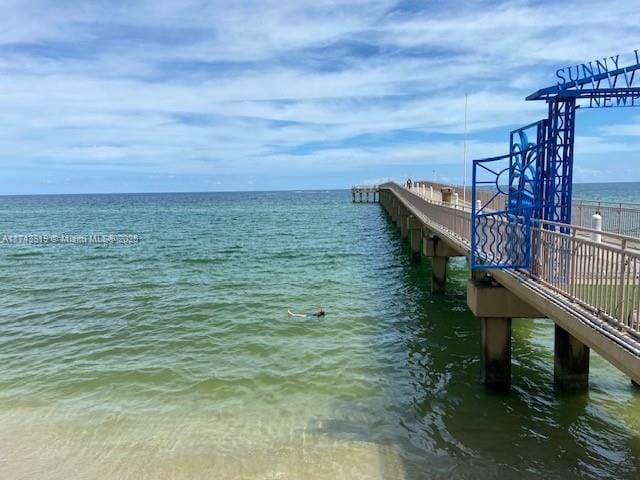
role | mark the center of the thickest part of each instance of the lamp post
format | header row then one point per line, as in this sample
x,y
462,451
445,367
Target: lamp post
x,y
464,151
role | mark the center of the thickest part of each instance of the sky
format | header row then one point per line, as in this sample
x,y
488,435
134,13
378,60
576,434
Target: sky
x,y
193,95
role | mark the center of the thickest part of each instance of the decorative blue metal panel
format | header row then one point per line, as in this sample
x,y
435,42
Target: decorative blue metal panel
x,y
512,187
535,180
527,166
561,128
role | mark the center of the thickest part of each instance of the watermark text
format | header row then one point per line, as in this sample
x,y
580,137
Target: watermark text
x,y
70,239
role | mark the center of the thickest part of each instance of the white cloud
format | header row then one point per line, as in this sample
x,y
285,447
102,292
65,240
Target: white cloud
x,y
631,129
241,87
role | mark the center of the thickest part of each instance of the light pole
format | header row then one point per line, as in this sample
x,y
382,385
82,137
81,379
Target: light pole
x,y
464,151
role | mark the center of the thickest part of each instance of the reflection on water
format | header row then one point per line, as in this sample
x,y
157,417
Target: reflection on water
x,y
175,358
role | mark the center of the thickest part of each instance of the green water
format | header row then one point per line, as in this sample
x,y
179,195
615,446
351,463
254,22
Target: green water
x,y
174,357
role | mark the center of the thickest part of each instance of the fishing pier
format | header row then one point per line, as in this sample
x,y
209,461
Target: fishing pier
x,y
588,286
533,251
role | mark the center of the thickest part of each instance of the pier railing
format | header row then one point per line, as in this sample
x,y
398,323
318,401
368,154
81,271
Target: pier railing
x,y
454,218
621,218
598,270
432,191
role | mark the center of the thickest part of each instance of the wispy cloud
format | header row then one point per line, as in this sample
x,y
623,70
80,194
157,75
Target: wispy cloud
x,y
223,90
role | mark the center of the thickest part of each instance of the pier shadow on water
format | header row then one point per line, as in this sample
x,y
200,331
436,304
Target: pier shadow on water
x,y
432,417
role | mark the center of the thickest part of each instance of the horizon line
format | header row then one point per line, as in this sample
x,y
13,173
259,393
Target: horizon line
x,y
245,191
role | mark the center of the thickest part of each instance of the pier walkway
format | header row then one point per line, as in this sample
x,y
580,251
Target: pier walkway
x,y
587,282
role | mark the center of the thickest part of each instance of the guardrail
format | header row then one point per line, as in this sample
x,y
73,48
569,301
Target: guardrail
x,y
598,270
433,191
602,276
456,219
621,218
617,217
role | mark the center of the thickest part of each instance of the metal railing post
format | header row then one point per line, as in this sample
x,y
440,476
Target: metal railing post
x,y
622,285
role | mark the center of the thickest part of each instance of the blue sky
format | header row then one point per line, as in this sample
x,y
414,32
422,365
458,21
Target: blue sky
x,y
180,95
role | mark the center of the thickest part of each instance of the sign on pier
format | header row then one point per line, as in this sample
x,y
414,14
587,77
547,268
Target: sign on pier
x,y
533,182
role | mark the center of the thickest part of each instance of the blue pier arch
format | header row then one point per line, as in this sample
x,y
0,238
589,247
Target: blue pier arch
x,y
532,184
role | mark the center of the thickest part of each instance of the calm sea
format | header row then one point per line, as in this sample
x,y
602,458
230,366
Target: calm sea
x,y
170,355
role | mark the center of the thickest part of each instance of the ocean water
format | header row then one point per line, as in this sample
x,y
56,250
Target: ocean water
x,y
608,192
172,357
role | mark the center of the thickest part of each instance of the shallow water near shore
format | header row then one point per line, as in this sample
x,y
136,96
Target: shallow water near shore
x,y
174,357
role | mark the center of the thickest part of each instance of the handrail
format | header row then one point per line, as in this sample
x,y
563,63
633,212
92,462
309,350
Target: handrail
x,y
462,206
633,205
615,217
454,220
616,236
602,277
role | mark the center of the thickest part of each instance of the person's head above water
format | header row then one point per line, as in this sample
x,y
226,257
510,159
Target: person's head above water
x,y
320,313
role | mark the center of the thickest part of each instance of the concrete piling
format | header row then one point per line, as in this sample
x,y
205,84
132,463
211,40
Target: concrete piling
x,y
404,218
395,213
415,237
495,306
439,253
439,274
571,361
495,357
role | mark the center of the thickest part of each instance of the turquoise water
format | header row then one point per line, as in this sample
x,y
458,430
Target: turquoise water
x,y
608,192
173,357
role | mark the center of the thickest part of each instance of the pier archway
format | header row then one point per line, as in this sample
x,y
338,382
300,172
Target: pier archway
x,y
540,163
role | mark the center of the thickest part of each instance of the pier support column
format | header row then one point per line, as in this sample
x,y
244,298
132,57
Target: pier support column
x,y
404,220
495,306
496,351
439,253
393,210
439,274
398,208
415,238
571,361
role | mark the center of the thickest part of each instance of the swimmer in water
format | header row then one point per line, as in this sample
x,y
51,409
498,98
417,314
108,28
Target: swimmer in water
x,y
318,314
